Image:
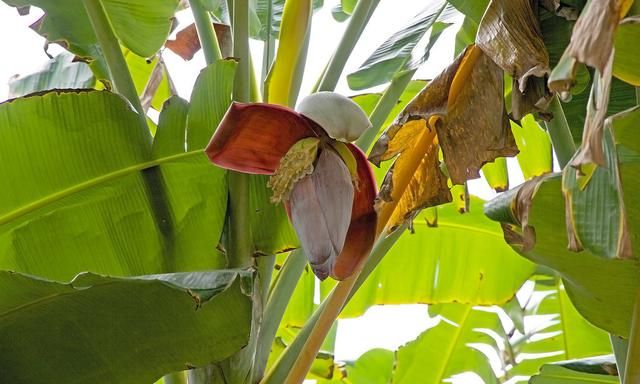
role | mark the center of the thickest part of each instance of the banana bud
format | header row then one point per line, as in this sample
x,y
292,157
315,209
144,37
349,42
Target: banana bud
x,y
338,115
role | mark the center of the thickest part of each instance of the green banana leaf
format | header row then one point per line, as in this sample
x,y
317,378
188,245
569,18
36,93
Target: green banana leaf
x,y
98,329
150,78
594,370
140,25
560,332
261,12
624,62
464,259
449,348
472,11
59,72
602,290
368,101
556,32
86,194
396,53
535,157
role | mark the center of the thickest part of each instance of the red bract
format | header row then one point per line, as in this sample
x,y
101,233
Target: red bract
x,y
331,205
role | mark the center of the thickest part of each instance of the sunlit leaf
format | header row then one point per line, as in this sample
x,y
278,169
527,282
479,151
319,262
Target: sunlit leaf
x,y
473,11
624,61
535,157
585,371
395,54
496,174
555,331
141,25
450,347
102,207
464,259
59,72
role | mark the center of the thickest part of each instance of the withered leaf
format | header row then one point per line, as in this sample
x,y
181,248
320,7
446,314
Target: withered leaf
x,y
476,129
464,106
591,42
512,210
591,150
186,43
510,35
427,187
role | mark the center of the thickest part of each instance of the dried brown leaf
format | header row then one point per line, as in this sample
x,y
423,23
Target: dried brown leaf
x,y
464,105
186,43
427,188
476,129
591,150
510,35
591,42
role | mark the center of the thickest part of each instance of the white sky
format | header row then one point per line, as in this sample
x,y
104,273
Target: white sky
x,y
23,54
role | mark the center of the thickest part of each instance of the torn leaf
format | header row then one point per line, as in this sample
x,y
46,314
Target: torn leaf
x,y
595,210
511,209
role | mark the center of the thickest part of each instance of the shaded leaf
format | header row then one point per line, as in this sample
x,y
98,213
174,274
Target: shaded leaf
x,y
210,98
104,329
603,290
591,151
591,41
595,213
259,31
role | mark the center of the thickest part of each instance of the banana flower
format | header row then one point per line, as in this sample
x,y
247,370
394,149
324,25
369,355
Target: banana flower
x,y
324,181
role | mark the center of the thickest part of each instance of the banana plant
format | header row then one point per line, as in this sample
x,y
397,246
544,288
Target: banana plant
x,y
189,246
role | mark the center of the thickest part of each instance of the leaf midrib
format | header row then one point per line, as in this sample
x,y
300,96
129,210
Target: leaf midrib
x,y
59,195
469,228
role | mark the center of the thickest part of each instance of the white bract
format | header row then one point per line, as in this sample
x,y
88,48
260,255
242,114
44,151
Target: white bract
x,y
338,115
